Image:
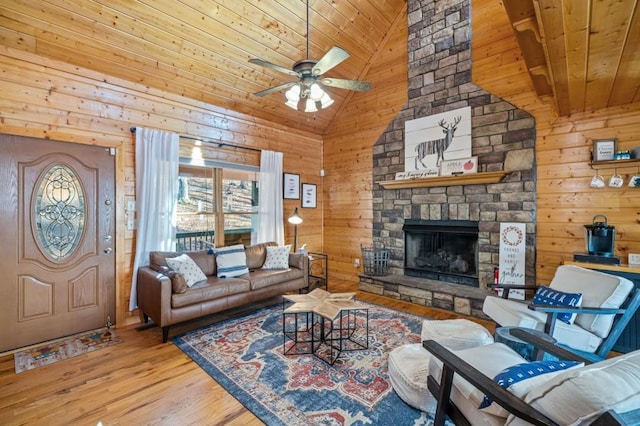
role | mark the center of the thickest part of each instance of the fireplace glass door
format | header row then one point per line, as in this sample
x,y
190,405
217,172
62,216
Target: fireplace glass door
x,y
442,250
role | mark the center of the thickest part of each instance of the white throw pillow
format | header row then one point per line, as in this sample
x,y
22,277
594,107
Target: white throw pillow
x,y
277,257
231,261
184,265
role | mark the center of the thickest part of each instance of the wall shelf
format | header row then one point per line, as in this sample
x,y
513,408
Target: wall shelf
x,y
468,179
612,164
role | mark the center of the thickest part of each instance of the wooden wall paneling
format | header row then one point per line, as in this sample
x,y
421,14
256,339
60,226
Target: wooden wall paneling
x,y
565,202
348,150
83,106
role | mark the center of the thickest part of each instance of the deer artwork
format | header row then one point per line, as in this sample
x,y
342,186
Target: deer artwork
x,y
437,146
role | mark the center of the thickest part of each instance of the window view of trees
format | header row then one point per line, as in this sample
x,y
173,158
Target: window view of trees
x,y
197,215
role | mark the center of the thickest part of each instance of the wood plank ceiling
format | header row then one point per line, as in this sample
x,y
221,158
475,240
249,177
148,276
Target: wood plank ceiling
x,y
581,54
200,48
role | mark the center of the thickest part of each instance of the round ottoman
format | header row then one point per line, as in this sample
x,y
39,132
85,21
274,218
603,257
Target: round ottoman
x,y
409,364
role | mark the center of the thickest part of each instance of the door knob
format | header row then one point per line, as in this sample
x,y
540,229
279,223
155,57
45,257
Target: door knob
x,y
108,250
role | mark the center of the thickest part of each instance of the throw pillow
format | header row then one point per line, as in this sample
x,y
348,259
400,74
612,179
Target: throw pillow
x,y
277,258
231,261
546,296
520,379
178,283
184,265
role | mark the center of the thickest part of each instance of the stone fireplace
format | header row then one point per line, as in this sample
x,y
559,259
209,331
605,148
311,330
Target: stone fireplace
x,y
502,138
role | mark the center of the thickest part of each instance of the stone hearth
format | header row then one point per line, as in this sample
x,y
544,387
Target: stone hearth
x,y
460,299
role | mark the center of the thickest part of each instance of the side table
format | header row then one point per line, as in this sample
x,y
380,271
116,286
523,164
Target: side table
x,y
527,351
318,271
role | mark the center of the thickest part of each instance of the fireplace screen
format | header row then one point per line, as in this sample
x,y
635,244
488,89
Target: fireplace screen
x,y
442,250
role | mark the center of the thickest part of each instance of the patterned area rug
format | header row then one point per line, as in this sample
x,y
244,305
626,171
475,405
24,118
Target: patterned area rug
x,y
245,355
51,352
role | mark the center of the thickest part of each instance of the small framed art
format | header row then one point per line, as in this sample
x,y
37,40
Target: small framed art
x,y
309,195
291,186
604,149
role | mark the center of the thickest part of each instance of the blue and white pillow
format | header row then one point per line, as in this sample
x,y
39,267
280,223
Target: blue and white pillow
x,y
520,379
231,261
548,296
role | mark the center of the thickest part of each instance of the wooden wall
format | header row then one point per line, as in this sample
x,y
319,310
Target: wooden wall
x,y
48,99
348,148
565,202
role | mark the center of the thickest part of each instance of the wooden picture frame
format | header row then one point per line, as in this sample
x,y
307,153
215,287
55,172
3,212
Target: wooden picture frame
x,y
291,186
309,196
604,149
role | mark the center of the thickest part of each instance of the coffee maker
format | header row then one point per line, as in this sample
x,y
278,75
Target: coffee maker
x,y
599,241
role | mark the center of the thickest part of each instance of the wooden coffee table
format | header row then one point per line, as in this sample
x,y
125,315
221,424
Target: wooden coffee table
x,y
324,324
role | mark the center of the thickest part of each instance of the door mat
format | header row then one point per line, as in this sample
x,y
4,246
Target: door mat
x,y
51,352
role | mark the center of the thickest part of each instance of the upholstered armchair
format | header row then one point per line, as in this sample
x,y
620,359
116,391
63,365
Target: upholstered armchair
x,y
590,327
493,385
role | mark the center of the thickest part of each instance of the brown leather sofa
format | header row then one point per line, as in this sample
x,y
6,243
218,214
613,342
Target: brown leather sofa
x,y
156,298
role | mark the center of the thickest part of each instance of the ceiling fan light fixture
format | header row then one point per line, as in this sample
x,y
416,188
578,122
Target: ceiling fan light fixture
x,y
293,94
326,100
292,104
311,106
315,92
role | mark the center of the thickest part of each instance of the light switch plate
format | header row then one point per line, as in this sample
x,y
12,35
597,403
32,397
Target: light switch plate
x,y
634,259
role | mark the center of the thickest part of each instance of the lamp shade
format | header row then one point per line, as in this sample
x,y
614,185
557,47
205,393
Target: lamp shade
x,y
295,218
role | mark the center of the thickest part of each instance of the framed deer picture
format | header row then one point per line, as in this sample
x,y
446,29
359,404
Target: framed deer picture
x,y
440,137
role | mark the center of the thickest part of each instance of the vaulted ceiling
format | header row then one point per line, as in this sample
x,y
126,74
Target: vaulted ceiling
x,y
580,54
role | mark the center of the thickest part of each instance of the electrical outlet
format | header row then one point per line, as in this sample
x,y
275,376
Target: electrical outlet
x,y
634,259
356,263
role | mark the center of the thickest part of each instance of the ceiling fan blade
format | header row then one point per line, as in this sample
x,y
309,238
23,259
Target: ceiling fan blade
x,y
273,66
275,89
359,86
330,59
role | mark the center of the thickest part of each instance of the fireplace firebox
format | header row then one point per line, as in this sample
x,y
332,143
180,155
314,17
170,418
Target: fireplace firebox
x,y
443,250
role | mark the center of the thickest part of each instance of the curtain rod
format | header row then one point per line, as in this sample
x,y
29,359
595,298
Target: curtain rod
x,y
220,144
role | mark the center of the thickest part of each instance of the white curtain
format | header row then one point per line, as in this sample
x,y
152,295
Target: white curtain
x,y
157,158
270,219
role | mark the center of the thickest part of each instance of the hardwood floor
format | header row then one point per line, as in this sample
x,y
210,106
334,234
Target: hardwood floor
x,y
139,381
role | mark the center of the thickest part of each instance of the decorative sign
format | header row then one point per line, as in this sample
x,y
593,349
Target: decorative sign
x,y
512,257
459,167
415,174
431,140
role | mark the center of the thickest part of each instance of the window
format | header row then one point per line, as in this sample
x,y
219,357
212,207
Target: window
x,y
216,198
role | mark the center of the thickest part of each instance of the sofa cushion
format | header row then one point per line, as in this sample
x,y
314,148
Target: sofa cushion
x,y
184,265
257,253
546,296
577,396
277,257
605,290
261,278
207,263
231,261
212,288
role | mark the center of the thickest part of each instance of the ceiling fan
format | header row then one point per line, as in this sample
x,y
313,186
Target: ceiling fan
x,y
308,88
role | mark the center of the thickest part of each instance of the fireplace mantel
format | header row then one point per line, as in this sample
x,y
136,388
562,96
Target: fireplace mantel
x,y
468,179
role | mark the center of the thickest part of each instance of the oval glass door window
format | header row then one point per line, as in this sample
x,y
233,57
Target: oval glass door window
x,y
59,212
